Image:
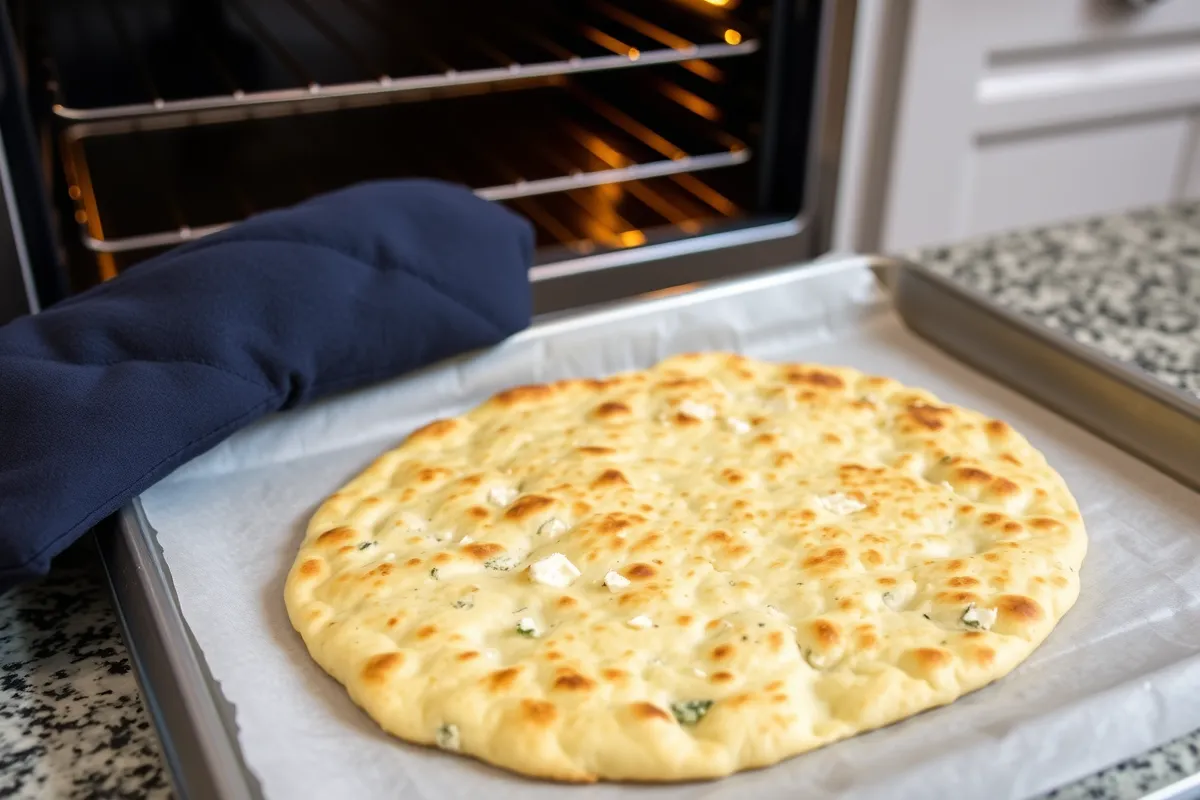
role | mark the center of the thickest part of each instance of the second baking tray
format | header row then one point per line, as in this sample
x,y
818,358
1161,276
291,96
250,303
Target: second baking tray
x,y
199,563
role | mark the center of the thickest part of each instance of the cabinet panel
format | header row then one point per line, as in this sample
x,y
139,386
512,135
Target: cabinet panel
x,y
1027,111
1074,83
1024,24
1036,179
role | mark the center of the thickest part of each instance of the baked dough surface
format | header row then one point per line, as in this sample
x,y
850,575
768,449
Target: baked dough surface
x,y
679,573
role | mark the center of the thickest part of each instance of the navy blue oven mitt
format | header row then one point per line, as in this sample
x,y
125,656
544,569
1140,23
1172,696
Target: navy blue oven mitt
x,y
108,391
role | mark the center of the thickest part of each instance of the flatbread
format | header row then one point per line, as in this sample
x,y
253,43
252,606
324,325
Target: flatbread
x,y
683,572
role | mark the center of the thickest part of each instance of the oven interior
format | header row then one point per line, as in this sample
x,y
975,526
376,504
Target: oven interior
x,y
610,124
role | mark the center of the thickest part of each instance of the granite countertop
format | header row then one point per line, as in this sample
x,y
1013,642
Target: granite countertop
x,y
71,719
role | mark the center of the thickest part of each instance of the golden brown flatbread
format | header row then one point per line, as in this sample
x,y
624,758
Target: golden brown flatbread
x,y
678,573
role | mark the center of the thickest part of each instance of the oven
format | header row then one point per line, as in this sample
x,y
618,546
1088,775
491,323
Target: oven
x,y
652,144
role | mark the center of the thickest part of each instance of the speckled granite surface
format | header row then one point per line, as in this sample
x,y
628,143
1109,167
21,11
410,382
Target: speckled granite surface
x,y
71,721
72,724
1128,284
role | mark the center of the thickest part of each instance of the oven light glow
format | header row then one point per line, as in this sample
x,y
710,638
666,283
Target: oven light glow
x,y
632,238
732,37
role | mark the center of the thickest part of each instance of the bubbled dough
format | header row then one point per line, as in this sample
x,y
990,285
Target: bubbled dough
x,y
805,541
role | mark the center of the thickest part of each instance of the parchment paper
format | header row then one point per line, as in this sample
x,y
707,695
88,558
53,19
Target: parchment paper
x,y
1120,674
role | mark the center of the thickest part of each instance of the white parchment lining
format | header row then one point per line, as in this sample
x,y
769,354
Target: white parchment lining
x,y
1120,674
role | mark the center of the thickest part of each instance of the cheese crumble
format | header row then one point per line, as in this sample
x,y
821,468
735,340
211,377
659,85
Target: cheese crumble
x,y
615,581
840,504
553,570
738,425
978,618
697,410
502,495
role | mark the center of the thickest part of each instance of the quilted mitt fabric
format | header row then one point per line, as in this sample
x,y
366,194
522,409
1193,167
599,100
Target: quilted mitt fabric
x,y
108,391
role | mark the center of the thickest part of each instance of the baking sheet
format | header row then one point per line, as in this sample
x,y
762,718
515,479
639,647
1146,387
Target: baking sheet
x,y
1116,677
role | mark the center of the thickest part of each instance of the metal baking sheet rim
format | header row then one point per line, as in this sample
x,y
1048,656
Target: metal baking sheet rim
x,y
195,723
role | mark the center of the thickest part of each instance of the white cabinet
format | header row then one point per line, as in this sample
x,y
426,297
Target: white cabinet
x,y
975,116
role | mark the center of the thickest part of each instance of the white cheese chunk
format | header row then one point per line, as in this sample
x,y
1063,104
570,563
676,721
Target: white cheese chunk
x,y
410,521
552,527
465,540
640,622
697,410
553,570
527,627
840,504
979,618
775,612
699,673
502,495
815,660
615,581
738,425
897,599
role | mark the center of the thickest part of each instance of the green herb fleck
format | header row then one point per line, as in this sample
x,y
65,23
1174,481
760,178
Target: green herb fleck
x,y
969,619
433,573
945,460
527,628
465,602
447,737
926,616
690,712
501,563
365,545
814,660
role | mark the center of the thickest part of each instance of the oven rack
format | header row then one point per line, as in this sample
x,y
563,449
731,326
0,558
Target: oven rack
x,y
580,222
147,183
618,216
127,58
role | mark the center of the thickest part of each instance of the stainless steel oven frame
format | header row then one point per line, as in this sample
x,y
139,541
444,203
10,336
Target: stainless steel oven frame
x,y
614,275
31,265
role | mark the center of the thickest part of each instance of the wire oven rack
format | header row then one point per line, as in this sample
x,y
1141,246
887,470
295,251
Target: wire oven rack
x,y
122,58
145,183
584,221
